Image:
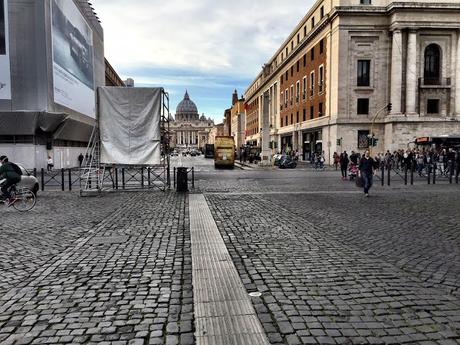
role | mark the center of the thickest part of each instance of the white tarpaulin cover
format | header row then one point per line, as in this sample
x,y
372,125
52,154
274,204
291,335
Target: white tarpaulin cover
x,y
129,124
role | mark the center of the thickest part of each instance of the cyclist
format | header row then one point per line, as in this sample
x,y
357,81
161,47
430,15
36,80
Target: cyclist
x,y
12,173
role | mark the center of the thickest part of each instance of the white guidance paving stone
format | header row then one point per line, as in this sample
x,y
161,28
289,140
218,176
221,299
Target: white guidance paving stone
x,y
224,313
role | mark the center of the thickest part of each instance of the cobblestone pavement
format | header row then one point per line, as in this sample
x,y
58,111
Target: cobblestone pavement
x,y
125,279
332,266
325,279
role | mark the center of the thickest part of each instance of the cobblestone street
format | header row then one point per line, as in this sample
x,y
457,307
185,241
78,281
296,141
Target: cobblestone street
x,y
332,266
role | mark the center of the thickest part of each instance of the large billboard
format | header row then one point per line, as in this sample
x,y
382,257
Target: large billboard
x,y
5,78
72,58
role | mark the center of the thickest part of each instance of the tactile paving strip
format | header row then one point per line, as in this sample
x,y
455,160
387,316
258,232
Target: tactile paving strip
x,y
224,314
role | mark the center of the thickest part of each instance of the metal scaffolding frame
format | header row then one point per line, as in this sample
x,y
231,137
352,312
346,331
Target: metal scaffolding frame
x,y
96,177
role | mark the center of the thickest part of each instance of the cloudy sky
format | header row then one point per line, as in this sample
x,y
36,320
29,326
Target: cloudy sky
x,y
209,47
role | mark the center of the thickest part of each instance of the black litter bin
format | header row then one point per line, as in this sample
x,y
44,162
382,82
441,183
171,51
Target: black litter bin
x,y
182,181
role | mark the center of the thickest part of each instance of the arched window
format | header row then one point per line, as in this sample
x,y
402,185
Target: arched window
x,y
432,73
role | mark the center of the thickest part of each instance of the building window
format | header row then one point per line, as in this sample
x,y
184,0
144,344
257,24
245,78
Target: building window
x,y
363,106
312,22
292,71
282,57
366,2
321,46
292,118
298,66
321,12
320,109
297,117
432,106
312,54
287,51
304,115
312,112
304,87
292,93
292,45
321,78
305,31
282,77
305,60
286,96
298,38
363,139
432,72
286,76
297,92
312,83
282,97
281,122
364,69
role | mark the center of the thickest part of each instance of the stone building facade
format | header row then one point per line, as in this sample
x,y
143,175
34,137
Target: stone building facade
x,y
189,130
375,52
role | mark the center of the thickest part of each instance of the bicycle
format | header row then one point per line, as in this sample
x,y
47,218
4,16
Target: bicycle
x,y
22,199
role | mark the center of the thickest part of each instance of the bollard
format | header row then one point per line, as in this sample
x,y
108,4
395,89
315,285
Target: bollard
x,y
412,173
43,179
428,172
35,172
174,177
388,174
70,179
62,179
116,178
182,179
405,175
142,177
123,178
148,176
451,171
168,177
193,177
434,173
383,175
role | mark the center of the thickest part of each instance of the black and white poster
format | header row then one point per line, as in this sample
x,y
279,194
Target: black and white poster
x,y
5,78
72,58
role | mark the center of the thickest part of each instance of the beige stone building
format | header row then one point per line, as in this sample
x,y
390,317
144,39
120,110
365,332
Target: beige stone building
x,y
188,129
217,130
238,117
345,61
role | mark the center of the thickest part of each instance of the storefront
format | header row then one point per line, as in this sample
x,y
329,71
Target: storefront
x,y
286,143
312,143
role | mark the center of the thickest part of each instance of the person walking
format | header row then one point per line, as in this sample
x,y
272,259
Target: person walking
x,y
50,164
336,159
344,164
367,168
80,159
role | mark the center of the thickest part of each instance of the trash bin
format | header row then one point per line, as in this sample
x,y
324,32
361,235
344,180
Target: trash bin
x,y
182,180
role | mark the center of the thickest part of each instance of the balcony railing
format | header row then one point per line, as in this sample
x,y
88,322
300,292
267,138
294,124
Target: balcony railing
x,y
434,82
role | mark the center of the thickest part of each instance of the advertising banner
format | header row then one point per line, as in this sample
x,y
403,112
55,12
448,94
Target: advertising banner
x,y
72,58
5,78
129,124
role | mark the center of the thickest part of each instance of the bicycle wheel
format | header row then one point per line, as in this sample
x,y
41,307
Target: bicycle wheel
x,y
24,200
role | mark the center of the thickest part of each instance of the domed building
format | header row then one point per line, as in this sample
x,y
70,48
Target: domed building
x,y
189,129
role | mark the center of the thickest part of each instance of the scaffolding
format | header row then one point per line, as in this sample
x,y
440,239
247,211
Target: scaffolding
x,y
96,177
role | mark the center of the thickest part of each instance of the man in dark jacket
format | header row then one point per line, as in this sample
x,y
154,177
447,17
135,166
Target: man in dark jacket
x,y
367,167
9,172
344,164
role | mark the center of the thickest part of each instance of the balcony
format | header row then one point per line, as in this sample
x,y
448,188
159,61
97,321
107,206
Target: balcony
x,y
434,83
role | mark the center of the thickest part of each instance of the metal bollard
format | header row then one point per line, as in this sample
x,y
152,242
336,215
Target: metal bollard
x,y
193,177
70,179
116,178
123,178
62,179
142,177
405,175
434,173
148,176
428,172
43,179
451,171
174,177
383,175
388,174
412,174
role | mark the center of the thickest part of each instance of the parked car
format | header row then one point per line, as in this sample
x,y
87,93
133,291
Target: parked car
x,y
28,180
